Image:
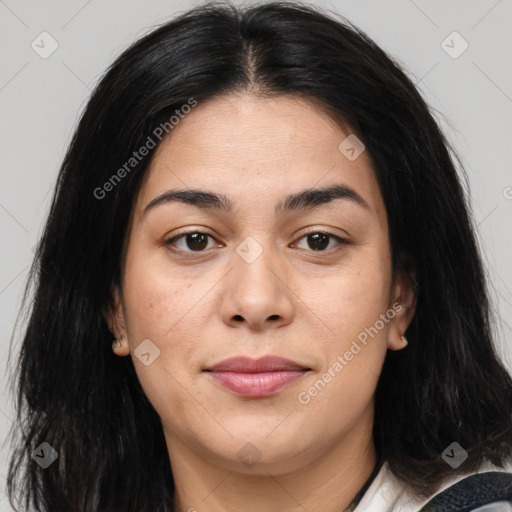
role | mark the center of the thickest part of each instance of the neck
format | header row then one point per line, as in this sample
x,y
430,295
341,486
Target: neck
x,y
328,483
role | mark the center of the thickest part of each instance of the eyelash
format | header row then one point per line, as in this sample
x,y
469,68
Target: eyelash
x,y
171,241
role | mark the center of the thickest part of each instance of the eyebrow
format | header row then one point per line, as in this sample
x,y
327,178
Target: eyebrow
x,y
305,200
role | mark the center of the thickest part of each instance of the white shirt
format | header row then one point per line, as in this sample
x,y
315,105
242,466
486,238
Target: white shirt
x,y
387,494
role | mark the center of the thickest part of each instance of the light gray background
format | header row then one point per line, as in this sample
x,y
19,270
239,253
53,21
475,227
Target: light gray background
x,y
40,101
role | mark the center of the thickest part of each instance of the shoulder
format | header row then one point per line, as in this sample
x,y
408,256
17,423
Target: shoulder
x,y
387,494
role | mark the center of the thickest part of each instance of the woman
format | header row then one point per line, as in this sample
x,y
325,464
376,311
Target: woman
x,y
259,207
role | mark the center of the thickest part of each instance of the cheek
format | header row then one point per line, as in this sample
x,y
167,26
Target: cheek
x,y
354,298
351,348
157,300
164,309
159,308
349,331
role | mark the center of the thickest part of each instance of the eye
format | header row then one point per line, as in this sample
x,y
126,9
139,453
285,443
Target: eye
x,y
320,240
196,241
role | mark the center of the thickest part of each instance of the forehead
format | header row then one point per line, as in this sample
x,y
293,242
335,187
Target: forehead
x,y
258,149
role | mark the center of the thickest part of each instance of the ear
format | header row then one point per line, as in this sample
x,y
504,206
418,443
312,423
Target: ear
x,y
404,296
114,316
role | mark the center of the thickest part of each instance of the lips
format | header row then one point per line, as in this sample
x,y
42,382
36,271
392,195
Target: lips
x,y
263,364
256,378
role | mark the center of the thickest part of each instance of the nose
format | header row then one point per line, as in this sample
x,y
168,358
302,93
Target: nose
x,y
255,292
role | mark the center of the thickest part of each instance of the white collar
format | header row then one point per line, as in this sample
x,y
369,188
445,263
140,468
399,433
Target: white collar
x,y
387,494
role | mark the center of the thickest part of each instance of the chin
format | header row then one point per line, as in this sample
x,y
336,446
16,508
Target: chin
x,y
261,453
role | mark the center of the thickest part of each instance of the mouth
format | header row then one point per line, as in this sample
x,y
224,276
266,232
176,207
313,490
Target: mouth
x,y
256,378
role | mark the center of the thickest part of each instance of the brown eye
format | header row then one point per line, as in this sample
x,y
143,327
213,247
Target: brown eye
x,y
319,241
194,241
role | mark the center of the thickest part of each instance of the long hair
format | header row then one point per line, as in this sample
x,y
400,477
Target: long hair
x,y
75,395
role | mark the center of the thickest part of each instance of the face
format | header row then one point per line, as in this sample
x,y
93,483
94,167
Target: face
x,y
264,269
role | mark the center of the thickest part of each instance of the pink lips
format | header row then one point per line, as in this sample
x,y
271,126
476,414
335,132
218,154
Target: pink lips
x,y
256,378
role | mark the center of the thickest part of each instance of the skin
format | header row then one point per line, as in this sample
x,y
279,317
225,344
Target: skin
x,y
214,305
